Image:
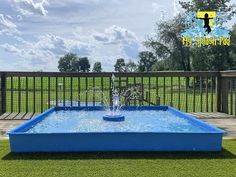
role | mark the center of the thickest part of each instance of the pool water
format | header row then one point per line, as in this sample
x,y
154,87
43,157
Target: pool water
x,y
84,121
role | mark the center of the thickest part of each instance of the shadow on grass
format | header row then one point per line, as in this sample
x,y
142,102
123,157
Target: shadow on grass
x,y
224,154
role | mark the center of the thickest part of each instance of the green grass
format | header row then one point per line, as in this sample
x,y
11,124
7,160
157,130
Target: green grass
x,y
153,164
79,92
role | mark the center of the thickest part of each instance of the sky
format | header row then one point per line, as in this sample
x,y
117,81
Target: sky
x,y
34,34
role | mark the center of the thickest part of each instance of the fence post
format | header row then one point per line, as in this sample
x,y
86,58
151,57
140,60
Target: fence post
x,y
111,84
218,93
3,94
158,101
224,94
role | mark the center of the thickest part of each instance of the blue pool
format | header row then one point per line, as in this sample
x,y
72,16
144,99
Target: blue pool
x,y
75,129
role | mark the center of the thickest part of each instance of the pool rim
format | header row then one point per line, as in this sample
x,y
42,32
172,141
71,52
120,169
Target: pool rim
x,y
207,128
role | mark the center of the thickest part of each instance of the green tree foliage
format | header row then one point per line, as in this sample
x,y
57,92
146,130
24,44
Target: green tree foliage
x,y
71,63
66,63
120,65
130,66
84,64
97,67
164,65
232,52
146,61
167,44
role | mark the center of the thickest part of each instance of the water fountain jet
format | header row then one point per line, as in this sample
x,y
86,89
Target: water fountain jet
x,y
113,114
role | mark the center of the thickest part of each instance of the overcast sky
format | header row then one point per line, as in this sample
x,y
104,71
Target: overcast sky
x,y
35,33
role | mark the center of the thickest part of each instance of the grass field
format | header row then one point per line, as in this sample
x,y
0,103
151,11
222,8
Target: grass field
x,y
21,92
153,164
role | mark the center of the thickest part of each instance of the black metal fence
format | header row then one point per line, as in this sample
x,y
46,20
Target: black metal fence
x,y
187,91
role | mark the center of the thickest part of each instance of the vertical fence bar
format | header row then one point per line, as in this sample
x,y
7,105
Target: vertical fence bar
x,y
64,91
110,90
149,90
186,95
212,80
179,93
231,96
206,94
93,91
3,93
26,95
102,88
19,94
157,96
86,91
201,93
142,89
164,90
49,90
194,95
71,91
56,91
171,91
234,98
41,89
34,99
79,91
218,93
119,84
224,93
12,94
135,89
127,86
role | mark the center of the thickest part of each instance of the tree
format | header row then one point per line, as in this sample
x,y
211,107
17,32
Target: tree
x,y
71,63
97,67
120,65
168,45
146,60
163,65
65,63
130,66
84,64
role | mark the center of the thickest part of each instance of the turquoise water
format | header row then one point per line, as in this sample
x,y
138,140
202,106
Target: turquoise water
x,y
92,121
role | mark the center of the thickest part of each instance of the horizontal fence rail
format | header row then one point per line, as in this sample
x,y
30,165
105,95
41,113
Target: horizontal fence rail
x,y
187,91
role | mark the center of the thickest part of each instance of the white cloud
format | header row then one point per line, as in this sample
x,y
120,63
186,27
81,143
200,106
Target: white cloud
x,y
103,30
166,9
125,39
115,34
156,6
10,48
29,7
19,17
6,25
44,52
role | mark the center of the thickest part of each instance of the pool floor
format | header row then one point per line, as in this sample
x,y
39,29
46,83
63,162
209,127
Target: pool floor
x,y
135,121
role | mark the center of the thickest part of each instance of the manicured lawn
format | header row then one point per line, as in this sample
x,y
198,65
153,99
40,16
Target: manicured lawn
x,y
222,164
76,90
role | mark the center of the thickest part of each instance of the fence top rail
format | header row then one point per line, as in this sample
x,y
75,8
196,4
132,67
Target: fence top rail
x,y
229,74
109,74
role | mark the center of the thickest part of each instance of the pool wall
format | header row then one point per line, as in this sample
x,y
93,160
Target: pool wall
x,y
209,140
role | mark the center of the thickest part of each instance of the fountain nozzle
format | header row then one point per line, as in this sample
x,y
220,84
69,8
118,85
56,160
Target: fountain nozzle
x,y
113,114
